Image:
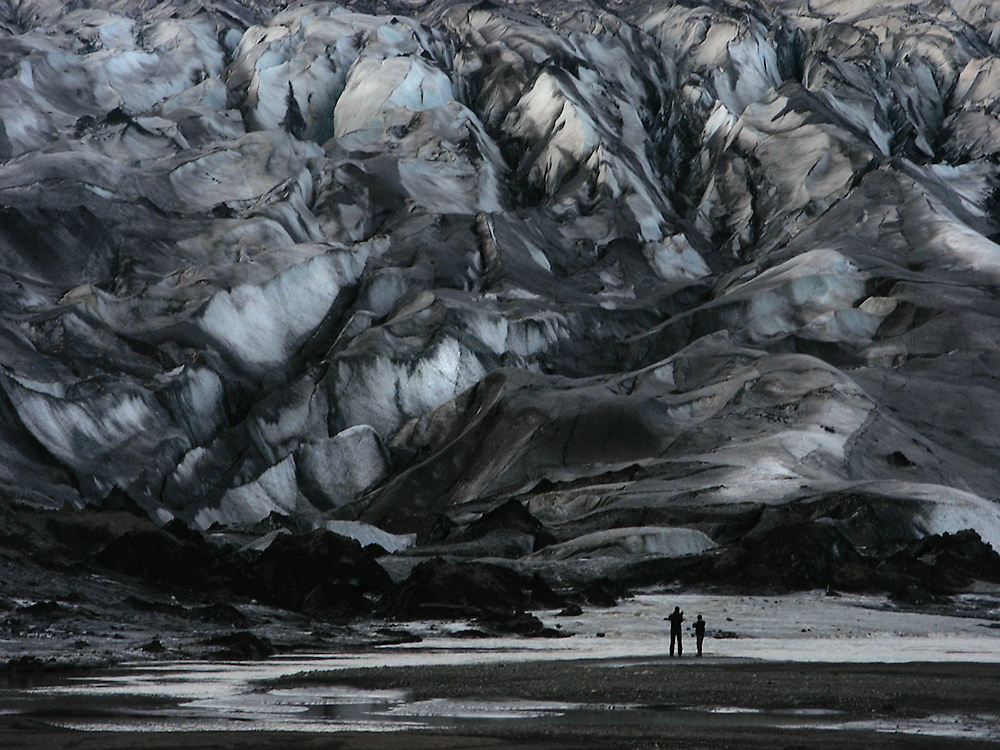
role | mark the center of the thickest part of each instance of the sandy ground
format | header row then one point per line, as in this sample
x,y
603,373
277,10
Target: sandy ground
x,y
805,671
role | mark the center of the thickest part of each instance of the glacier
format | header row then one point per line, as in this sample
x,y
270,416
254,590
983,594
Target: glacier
x,y
658,273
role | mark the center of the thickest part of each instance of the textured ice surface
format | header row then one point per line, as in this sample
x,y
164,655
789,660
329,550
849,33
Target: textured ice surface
x,y
337,470
628,267
636,541
274,491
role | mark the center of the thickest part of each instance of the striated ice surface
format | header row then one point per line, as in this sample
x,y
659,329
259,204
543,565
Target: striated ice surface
x,y
644,540
646,269
274,491
336,471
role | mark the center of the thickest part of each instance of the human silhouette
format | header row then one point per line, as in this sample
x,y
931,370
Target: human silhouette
x,y
676,618
699,633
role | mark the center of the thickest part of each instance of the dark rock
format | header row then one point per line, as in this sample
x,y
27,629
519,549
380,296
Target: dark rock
x,y
394,636
601,593
571,610
13,626
275,521
87,531
899,460
119,500
336,601
471,633
510,517
183,533
324,568
145,605
793,556
160,559
963,555
786,553
220,613
866,519
153,647
242,645
942,563
782,553
432,528
517,623
47,610
25,664
439,589
915,593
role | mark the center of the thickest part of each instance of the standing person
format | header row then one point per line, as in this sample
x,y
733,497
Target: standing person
x,y
699,633
676,618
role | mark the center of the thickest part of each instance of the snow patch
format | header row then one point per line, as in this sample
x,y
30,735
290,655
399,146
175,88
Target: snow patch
x,y
796,293
384,394
262,325
674,259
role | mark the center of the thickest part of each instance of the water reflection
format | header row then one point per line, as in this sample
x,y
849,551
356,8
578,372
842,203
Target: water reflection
x,y
213,696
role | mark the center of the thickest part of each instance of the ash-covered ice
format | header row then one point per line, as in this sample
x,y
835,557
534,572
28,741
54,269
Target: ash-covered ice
x,y
671,278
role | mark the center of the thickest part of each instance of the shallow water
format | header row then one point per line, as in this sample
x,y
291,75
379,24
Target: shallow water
x,y
187,696
223,697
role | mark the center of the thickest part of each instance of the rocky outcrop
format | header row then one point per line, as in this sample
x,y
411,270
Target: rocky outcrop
x,y
320,572
495,596
788,553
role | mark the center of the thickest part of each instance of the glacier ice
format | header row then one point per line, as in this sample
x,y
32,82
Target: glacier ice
x,y
274,491
337,470
647,540
636,267
367,534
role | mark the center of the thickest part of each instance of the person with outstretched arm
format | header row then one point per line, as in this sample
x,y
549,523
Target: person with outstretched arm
x,y
676,618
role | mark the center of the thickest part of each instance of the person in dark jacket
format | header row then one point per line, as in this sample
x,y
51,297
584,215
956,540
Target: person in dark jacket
x,y
676,618
699,633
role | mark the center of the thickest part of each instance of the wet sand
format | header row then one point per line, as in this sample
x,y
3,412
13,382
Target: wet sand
x,y
903,693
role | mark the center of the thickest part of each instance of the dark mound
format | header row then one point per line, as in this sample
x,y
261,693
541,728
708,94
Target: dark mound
x,y
219,613
162,560
939,564
794,556
239,646
440,589
510,518
328,572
